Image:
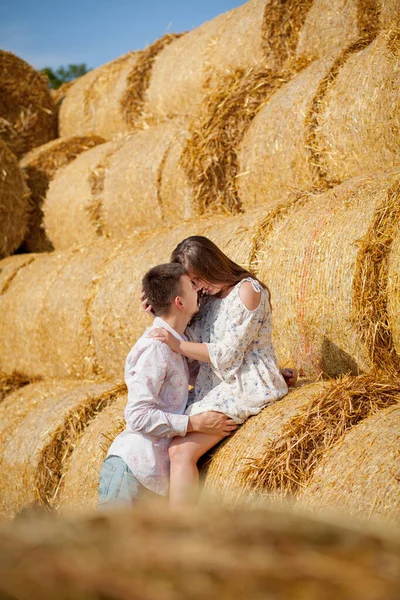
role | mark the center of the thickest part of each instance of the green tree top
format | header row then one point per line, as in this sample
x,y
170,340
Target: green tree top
x,y
64,74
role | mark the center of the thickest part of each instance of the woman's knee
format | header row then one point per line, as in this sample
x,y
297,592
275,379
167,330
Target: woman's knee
x,y
181,453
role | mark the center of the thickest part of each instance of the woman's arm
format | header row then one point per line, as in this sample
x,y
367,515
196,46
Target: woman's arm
x,y
193,350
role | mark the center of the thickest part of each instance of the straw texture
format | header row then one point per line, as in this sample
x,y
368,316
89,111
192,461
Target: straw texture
x,y
350,137
39,424
72,207
51,332
15,206
289,460
273,157
329,27
259,31
197,554
40,166
132,199
27,111
311,253
94,104
223,471
80,482
360,474
210,157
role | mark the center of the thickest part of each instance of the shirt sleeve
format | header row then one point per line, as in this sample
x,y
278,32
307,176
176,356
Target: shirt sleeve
x,y
144,380
243,325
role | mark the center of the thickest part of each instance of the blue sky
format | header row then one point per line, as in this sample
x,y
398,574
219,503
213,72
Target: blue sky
x,y
53,33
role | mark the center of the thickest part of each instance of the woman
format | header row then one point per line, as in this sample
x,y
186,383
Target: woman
x,y
231,338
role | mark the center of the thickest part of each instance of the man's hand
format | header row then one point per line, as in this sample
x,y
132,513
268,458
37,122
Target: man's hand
x,y
290,376
212,423
145,305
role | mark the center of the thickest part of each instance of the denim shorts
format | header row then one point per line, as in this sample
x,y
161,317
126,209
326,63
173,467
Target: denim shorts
x,y
117,483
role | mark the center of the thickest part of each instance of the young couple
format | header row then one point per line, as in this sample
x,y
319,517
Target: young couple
x,y
226,354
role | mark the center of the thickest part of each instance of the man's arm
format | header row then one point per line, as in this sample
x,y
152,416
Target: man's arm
x,y
142,413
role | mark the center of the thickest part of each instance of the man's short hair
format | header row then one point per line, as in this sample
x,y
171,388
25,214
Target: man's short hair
x,y
161,285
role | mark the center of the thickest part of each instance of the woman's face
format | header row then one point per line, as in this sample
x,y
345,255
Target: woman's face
x,y
201,284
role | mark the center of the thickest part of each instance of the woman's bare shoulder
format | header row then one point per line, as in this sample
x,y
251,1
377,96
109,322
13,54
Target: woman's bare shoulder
x,y
249,296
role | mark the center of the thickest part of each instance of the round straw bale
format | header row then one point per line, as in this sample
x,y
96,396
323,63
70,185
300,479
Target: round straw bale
x,y
48,304
200,553
176,191
117,316
93,104
72,207
20,306
361,473
273,156
64,321
27,111
210,156
15,205
259,31
177,77
132,198
313,260
288,460
223,472
79,486
355,137
331,26
39,425
40,166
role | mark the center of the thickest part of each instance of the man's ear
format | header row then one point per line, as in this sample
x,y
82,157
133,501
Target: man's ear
x,y
178,303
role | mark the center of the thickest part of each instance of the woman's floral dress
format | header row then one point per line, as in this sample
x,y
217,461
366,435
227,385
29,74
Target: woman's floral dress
x,y
243,375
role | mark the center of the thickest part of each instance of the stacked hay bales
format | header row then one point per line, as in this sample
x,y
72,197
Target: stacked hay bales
x,y
100,195
359,137
263,553
15,205
133,199
108,100
331,26
224,470
281,451
40,166
314,253
92,105
213,157
51,335
79,486
360,474
328,276
27,111
72,207
239,39
312,133
39,424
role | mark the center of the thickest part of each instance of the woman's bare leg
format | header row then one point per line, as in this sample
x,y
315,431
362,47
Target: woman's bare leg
x,y
184,452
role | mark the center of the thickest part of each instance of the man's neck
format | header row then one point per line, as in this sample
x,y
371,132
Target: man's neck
x,y
178,322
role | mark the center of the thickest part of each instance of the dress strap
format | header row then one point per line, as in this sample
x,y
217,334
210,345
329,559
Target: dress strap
x,y
256,285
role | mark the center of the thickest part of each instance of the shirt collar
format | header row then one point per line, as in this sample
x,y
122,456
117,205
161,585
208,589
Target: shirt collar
x,y
159,322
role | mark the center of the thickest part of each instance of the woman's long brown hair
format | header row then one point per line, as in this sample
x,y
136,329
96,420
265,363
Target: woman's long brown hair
x,y
205,260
